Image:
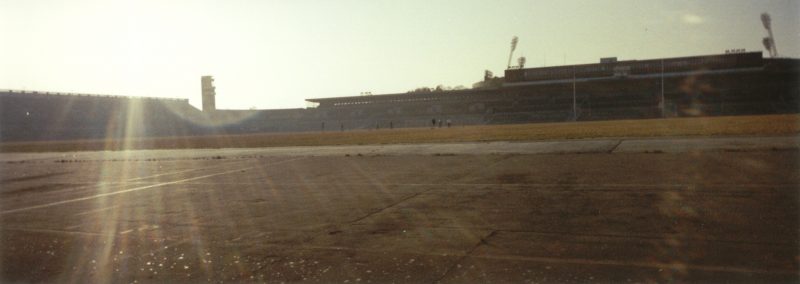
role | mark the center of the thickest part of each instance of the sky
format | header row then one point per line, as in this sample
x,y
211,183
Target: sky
x,y
275,54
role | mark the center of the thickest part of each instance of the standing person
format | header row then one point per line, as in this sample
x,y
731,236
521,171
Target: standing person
x,y
433,123
448,123
440,123
341,127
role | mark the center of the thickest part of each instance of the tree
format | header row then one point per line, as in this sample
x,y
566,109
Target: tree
x,y
489,81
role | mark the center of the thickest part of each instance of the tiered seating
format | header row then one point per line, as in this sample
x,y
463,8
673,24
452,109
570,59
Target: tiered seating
x,y
41,116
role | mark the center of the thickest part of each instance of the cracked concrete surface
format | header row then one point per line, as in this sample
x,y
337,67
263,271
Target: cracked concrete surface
x,y
686,210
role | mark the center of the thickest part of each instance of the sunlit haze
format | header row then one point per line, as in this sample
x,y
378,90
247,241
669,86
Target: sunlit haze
x,y
275,54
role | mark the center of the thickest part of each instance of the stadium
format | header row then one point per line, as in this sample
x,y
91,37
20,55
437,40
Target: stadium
x,y
674,169
713,85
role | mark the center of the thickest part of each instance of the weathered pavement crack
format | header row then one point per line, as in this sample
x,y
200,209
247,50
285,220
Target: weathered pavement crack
x,y
387,207
482,241
615,146
481,168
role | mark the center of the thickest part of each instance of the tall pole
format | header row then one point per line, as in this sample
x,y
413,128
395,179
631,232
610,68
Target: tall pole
x,y
772,42
514,41
574,104
663,103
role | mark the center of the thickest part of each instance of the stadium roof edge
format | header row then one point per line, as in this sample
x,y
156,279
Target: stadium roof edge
x,y
638,60
12,91
318,100
450,92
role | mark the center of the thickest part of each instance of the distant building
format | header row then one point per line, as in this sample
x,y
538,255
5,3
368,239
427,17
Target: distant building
x,y
209,93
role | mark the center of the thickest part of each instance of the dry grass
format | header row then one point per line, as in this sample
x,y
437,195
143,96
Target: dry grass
x,y
766,125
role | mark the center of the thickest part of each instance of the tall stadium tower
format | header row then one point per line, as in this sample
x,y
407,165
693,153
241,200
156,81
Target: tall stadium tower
x,y
207,85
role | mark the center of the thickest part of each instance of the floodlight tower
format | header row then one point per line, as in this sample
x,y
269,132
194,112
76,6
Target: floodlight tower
x,y
514,41
769,41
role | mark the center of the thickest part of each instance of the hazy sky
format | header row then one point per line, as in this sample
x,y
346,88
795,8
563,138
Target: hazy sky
x,y
275,54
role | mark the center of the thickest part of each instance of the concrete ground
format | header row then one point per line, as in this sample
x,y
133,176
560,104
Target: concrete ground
x,y
612,210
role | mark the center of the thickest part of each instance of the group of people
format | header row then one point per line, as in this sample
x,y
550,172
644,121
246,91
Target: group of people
x,y
434,122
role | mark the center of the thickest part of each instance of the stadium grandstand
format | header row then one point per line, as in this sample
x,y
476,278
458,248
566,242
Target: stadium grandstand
x,y
32,115
741,83
713,85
